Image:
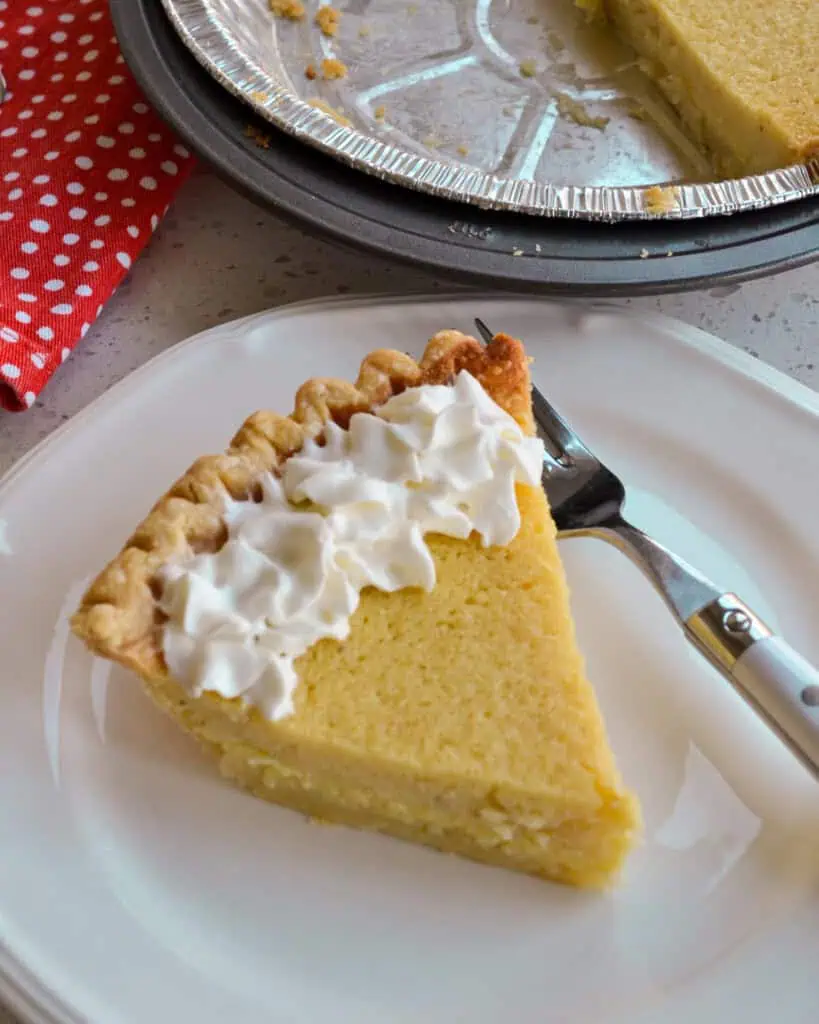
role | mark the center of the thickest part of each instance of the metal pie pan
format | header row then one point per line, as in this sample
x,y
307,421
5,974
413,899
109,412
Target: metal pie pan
x,y
556,256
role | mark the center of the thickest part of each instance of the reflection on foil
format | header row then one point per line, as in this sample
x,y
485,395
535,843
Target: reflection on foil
x,y
708,814
53,671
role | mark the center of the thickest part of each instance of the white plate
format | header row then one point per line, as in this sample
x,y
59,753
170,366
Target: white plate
x,y
136,886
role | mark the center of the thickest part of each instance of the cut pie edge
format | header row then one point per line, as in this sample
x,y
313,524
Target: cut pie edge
x,y
118,618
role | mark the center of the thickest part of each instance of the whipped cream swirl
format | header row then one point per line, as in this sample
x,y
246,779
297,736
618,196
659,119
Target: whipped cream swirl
x,y
347,513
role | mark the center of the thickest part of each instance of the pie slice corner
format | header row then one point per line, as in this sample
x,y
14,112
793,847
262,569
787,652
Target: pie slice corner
x,y
458,717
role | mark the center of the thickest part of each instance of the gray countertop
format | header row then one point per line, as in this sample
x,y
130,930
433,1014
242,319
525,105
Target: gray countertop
x,y
217,257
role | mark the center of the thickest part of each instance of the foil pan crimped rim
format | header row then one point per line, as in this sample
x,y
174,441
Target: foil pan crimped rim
x,y
221,54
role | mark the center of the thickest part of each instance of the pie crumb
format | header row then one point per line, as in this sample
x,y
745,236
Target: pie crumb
x,y
380,113
463,150
260,97
659,199
528,68
332,68
574,111
291,9
327,19
310,72
262,139
364,31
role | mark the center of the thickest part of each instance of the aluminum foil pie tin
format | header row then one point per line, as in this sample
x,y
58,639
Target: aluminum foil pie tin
x,y
519,105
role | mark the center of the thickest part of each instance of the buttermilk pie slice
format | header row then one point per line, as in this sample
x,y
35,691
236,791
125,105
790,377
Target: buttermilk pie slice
x,y
360,610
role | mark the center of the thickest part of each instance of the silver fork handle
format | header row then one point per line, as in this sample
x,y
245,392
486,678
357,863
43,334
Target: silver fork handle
x,y
777,682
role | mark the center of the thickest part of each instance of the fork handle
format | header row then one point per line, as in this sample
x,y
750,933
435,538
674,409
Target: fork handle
x,y
781,685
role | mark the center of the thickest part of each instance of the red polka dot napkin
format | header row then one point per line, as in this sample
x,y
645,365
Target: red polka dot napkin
x,y
86,171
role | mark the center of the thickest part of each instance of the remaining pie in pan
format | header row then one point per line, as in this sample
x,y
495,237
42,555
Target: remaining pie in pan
x,y
743,74
361,612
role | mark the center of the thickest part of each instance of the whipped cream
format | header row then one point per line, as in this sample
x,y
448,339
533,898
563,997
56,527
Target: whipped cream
x,y
348,512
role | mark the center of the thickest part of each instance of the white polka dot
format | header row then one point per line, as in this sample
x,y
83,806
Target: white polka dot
x,y
181,151
55,115
128,201
133,230
74,188
92,119
85,39
116,80
6,215
126,128
83,290
66,19
139,108
169,167
96,243
22,317
54,285
48,200
58,37
91,266
103,97
61,260
57,78
19,273
29,398
26,75
101,196
52,154
20,153
38,98
24,115
137,153
71,239
63,309
117,174
39,133
42,179
34,12
102,220
38,359
60,57
25,30
42,227
10,370
105,142
7,133
70,97
95,16
77,213
66,352
45,333
83,76
73,136
154,138
11,176
29,247
9,334
15,194
84,162
84,330
124,259
148,183
26,297
29,52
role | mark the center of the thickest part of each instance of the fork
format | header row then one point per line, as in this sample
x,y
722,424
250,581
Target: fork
x,y
587,499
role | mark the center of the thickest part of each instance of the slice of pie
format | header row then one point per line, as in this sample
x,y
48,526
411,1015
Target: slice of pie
x,y
361,612
743,74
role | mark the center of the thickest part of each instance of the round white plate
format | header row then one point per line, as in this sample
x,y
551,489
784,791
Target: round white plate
x,y
137,886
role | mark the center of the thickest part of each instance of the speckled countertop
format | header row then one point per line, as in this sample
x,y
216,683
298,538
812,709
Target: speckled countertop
x,y
217,257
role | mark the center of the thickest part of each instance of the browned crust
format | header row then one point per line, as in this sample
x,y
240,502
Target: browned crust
x,y
117,618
